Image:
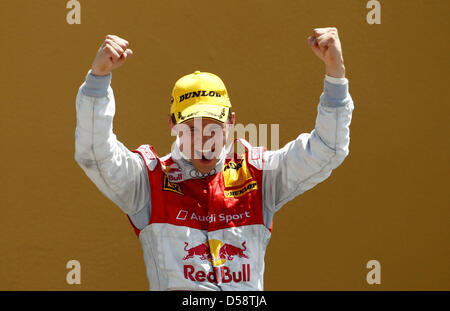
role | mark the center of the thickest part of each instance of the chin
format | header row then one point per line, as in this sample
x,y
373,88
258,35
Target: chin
x,y
204,168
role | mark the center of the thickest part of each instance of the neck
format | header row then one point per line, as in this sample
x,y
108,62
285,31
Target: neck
x,y
186,163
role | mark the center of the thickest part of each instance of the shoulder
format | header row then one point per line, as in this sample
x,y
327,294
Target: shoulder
x,y
254,154
148,154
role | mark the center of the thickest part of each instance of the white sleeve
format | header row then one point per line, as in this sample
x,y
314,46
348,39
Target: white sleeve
x,y
117,172
336,80
309,159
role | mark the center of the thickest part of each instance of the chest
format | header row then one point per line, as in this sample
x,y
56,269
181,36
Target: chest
x,y
230,198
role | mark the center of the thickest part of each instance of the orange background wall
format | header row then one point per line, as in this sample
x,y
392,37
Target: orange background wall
x,y
388,201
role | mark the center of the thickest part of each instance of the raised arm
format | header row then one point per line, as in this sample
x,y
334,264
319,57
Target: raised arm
x,y
117,172
309,159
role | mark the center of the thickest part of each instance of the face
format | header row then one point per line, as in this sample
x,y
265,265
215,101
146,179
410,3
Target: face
x,y
202,140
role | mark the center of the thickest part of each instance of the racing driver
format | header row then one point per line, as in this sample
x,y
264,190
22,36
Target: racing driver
x,y
203,213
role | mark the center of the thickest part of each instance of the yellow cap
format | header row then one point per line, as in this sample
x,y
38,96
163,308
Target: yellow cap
x,y
199,94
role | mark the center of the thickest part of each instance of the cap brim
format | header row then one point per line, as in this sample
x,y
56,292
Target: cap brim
x,y
214,112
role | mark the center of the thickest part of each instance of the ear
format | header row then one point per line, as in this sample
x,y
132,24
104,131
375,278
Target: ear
x,y
171,125
230,125
233,119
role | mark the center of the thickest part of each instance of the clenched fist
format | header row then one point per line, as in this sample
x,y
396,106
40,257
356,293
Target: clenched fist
x,y
112,54
326,45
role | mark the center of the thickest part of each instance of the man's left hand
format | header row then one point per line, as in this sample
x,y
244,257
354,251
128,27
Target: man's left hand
x,y
326,45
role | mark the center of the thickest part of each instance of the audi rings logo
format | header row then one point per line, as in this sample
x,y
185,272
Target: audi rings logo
x,y
196,174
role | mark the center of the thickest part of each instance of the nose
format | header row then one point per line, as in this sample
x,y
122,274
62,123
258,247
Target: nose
x,y
204,142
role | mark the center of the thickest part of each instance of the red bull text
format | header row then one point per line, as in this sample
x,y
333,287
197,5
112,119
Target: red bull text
x,y
218,275
216,252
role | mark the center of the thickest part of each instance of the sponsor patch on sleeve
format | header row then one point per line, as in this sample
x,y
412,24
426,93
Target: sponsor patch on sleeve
x,y
148,156
147,152
256,153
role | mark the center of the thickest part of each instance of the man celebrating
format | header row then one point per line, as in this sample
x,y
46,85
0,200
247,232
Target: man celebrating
x,y
204,213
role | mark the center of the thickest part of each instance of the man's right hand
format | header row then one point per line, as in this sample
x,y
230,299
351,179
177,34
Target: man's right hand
x,y
112,54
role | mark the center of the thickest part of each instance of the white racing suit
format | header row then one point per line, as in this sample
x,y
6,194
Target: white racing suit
x,y
206,231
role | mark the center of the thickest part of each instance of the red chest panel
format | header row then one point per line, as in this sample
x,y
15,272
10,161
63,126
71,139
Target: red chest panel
x,y
230,198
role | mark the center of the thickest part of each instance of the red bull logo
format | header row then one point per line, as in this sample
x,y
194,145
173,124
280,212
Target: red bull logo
x,y
202,251
228,251
173,171
217,252
173,168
